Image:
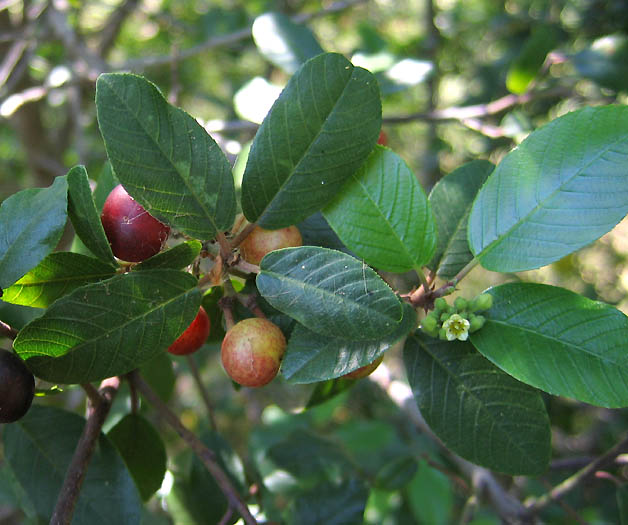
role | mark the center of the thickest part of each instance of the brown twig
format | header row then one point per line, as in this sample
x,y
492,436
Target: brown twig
x,y
507,506
207,456
535,505
7,331
111,27
225,40
99,406
243,234
479,110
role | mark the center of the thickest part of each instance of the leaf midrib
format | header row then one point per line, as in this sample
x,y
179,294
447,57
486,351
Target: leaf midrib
x,y
502,236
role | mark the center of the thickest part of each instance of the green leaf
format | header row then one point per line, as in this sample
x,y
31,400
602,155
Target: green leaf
x,y
39,448
107,181
621,495
397,473
329,292
478,411
284,42
451,200
319,131
159,375
164,158
195,495
562,188
31,224
383,215
84,215
430,496
311,357
143,452
315,231
332,504
109,328
526,66
177,257
57,275
558,341
326,390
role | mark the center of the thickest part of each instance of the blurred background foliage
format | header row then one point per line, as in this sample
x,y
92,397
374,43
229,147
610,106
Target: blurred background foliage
x,y
460,80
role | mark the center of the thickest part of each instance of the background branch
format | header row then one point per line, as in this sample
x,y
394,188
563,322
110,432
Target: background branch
x,y
97,412
207,456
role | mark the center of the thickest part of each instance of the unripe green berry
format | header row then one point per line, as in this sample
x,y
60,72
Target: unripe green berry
x,y
429,323
482,302
444,316
461,304
431,332
476,322
440,304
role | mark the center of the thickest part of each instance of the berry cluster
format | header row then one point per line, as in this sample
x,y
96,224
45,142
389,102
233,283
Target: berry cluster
x,y
457,321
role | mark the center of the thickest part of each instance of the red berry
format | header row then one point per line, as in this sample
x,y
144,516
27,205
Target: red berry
x,y
364,370
252,351
133,233
17,387
260,241
194,336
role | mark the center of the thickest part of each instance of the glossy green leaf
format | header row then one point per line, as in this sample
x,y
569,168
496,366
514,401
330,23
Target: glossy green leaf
x,y
332,504
85,217
176,258
319,131
57,275
558,341
383,215
107,181
109,328
315,231
142,450
284,42
451,200
311,357
562,188
164,158
526,66
329,292
39,448
478,411
31,224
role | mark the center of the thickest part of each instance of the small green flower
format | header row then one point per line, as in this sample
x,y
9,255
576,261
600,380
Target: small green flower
x,y
456,327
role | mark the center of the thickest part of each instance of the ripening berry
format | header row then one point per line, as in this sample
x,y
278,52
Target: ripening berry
x,y
133,233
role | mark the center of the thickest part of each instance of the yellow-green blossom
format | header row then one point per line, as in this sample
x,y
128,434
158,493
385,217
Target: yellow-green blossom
x,y
456,327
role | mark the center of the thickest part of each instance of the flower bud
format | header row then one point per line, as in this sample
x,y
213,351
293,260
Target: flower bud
x,y
461,304
482,302
476,322
440,304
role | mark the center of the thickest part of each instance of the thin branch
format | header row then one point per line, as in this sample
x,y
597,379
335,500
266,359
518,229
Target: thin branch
x,y
243,234
480,110
7,331
225,40
113,24
207,456
69,493
535,505
209,406
507,506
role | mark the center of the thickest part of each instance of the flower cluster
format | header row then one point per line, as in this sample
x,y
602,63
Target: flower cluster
x,y
457,321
